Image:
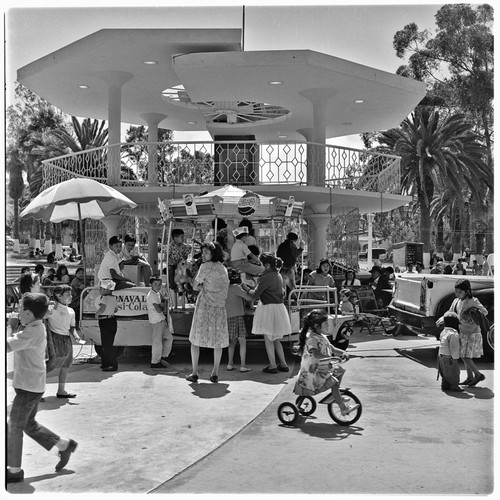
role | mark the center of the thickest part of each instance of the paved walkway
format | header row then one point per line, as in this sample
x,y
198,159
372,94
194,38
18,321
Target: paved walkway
x,y
139,427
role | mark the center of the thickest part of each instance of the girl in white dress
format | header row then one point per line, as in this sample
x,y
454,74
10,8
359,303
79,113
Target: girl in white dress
x,y
271,317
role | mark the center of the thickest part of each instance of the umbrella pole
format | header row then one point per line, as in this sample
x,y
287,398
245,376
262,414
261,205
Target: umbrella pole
x,y
82,236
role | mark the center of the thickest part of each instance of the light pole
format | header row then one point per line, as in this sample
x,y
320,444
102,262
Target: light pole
x,y
369,220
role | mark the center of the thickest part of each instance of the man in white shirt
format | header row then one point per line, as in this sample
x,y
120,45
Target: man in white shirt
x,y
110,265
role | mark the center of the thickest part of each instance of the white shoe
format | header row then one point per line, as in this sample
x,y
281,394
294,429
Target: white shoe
x,y
229,368
244,369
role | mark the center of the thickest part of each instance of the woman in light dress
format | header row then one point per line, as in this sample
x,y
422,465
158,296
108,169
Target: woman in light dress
x,y
209,326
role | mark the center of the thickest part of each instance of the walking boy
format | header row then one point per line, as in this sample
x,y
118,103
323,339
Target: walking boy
x,y
162,338
29,384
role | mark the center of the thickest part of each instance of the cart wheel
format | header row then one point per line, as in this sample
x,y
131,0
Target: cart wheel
x,y
306,405
351,418
288,413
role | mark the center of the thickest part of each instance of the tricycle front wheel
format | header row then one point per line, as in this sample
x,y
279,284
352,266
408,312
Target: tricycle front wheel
x,y
349,419
288,413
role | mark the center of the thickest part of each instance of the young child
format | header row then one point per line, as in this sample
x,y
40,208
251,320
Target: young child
x,y
162,338
316,376
130,256
235,309
62,274
346,306
177,251
271,317
29,384
61,324
105,314
241,257
449,353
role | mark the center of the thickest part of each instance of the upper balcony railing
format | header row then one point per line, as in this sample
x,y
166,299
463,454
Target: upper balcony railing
x,y
232,162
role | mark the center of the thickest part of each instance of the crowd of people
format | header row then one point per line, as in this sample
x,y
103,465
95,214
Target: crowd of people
x,y
229,279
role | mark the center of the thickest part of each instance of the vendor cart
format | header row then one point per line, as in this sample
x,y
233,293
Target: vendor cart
x,y
228,203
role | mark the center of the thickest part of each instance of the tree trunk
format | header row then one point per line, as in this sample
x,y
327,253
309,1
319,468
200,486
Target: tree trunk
x,y
456,241
49,228
58,251
440,237
425,231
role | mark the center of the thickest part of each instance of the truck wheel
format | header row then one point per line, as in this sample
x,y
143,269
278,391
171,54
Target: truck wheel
x,y
491,337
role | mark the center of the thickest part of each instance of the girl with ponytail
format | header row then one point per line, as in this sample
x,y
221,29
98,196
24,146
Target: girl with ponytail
x,y
317,373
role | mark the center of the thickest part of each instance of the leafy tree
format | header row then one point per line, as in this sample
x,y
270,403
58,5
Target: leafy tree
x,y
136,155
29,120
432,149
457,62
16,185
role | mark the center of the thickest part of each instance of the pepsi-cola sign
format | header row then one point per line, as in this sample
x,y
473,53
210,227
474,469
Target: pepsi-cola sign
x,y
248,203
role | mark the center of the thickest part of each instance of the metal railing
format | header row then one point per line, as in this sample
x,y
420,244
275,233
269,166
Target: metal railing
x,y
237,162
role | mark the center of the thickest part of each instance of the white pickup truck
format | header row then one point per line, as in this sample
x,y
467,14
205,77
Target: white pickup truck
x,y
420,299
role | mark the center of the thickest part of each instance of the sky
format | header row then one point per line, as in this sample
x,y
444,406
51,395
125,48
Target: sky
x,y
361,32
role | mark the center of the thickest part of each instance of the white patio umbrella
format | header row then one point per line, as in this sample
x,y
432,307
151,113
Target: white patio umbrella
x,y
77,199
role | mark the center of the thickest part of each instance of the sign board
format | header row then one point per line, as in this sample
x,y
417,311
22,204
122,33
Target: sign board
x,y
130,301
248,203
289,207
190,204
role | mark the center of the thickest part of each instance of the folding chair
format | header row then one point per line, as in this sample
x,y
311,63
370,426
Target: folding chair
x,y
371,317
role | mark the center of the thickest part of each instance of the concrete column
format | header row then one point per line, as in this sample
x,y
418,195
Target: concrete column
x,y
115,81
153,120
153,247
111,223
318,226
369,220
316,167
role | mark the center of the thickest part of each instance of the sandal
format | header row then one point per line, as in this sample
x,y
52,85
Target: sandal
x,y
244,369
229,368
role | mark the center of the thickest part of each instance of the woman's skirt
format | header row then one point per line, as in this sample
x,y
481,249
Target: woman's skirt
x,y
60,351
209,326
271,320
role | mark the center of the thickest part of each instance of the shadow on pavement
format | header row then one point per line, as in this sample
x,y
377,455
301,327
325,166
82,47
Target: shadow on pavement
x,y
423,355
209,390
326,430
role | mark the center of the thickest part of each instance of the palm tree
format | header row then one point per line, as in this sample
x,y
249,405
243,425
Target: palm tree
x,y
435,150
16,188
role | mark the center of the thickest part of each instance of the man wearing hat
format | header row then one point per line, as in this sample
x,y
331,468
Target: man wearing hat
x,y
381,286
110,266
241,257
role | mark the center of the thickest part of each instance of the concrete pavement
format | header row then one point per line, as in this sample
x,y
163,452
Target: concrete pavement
x,y
142,430
138,427
412,438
